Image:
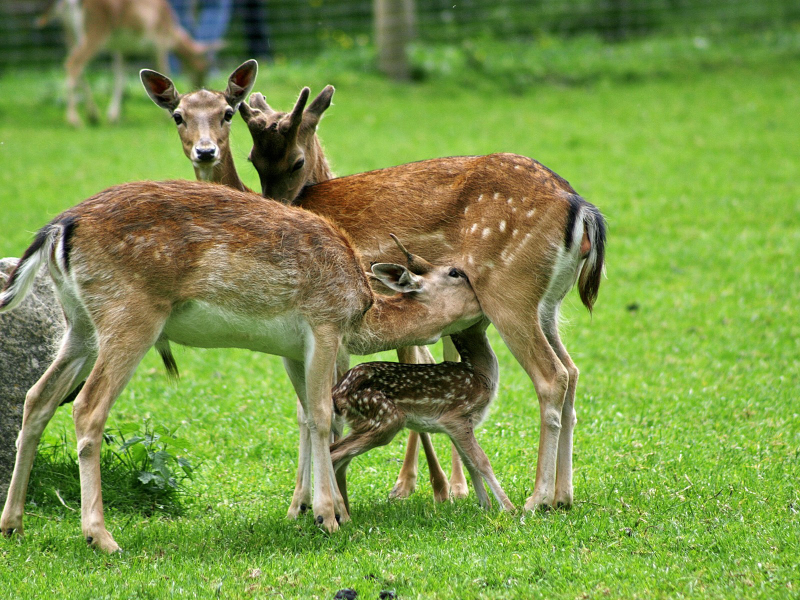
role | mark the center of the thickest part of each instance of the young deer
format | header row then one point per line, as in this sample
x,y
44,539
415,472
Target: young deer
x,y
379,399
203,122
142,264
91,23
203,119
525,238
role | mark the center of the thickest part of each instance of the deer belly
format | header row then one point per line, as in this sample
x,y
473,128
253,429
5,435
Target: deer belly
x,y
202,325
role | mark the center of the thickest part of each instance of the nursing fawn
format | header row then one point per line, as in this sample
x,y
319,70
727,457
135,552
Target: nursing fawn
x,y
379,399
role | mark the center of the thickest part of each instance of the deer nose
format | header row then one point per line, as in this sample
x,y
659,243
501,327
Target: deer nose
x,y
205,153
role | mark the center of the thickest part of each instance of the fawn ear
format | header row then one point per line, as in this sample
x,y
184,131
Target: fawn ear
x,y
397,277
160,89
241,82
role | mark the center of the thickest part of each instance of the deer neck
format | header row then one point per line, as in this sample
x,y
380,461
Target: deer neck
x,y
394,322
322,170
476,353
223,172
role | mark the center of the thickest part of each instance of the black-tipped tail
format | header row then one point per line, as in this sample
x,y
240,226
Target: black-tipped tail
x,y
592,271
163,348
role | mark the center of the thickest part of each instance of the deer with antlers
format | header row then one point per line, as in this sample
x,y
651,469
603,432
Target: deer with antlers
x,y
202,120
523,234
148,263
91,24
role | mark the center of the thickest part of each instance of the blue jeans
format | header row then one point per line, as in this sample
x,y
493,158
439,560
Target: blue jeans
x,y
205,20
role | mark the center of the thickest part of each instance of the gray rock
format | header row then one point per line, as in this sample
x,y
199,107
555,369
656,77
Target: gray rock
x,y
29,337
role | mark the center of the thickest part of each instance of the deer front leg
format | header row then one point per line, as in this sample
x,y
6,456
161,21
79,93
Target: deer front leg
x,y
407,478
480,469
78,57
328,504
458,482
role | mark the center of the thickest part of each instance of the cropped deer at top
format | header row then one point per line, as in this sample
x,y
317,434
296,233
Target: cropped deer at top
x,y
90,24
378,399
524,236
142,264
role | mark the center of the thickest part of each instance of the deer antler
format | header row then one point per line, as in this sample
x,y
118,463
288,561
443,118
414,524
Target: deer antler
x,y
417,265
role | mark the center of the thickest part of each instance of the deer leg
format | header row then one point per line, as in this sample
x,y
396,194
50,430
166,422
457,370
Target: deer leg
x,y
320,370
72,363
80,54
550,378
301,498
115,107
480,469
117,359
458,483
564,490
363,438
407,478
441,489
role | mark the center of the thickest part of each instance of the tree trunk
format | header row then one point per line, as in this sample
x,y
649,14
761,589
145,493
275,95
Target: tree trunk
x,y
395,24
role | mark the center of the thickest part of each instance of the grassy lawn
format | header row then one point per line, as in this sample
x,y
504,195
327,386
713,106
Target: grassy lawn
x,y
687,450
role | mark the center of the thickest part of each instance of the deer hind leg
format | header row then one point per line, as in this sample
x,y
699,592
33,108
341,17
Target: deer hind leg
x,y
407,478
478,465
458,483
301,498
115,107
362,438
550,377
77,59
118,356
564,490
71,365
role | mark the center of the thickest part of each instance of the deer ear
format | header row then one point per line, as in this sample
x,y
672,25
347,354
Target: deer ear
x,y
160,89
321,103
258,101
241,82
397,277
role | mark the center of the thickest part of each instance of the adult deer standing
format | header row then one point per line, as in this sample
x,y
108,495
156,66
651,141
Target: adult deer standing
x,y
203,121
522,233
142,264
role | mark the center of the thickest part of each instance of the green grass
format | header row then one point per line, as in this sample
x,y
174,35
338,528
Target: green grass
x,y
687,451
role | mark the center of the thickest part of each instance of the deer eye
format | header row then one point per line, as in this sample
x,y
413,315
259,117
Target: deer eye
x,y
228,115
178,118
298,165
456,273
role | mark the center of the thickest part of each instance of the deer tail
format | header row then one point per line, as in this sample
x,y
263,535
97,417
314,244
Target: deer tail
x,y
593,250
20,281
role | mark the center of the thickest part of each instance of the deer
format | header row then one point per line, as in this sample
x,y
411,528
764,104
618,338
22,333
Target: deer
x,y
145,264
378,399
523,234
202,119
90,24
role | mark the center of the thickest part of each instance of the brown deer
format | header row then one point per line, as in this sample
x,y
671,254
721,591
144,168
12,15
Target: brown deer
x,y
90,24
378,399
142,264
525,237
203,122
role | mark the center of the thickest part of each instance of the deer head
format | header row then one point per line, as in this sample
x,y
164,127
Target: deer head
x,y
286,152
